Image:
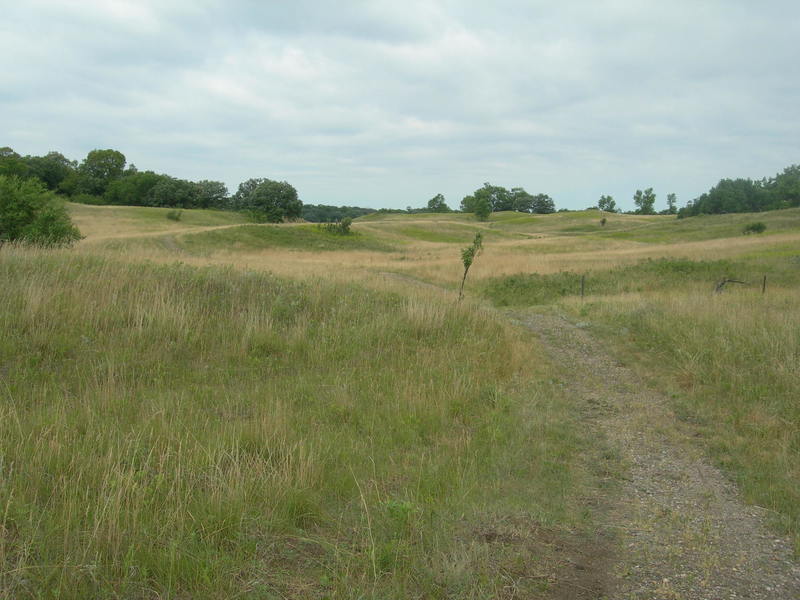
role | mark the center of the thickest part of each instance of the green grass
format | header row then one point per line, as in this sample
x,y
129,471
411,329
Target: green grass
x,y
708,227
151,217
183,433
732,359
732,363
648,276
300,237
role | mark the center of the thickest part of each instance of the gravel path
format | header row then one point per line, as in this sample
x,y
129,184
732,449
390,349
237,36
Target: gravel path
x,y
682,530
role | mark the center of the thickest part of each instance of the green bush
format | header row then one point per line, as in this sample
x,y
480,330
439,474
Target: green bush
x,y
174,215
30,213
757,227
340,228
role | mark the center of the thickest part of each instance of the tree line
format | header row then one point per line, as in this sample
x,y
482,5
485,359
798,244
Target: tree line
x,y
728,196
104,177
644,200
746,195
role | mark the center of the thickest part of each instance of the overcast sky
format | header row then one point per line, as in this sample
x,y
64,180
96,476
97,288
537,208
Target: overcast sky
x,y
386,103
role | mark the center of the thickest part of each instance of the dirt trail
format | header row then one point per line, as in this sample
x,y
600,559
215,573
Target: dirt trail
x,y
682,531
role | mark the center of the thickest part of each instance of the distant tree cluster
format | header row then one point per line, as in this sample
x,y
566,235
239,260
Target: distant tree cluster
x,y
104,178
747,195
494,198
645,202
323,213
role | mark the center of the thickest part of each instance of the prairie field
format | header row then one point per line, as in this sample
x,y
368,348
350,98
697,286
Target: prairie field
x,y
211,408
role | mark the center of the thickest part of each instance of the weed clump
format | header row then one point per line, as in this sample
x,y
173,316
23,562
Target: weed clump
x,y
757,227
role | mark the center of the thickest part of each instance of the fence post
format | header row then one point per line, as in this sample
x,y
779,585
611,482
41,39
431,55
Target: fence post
x,y
583,285
764,285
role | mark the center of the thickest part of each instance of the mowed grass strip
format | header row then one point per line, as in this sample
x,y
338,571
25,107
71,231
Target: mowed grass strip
x,y
177,432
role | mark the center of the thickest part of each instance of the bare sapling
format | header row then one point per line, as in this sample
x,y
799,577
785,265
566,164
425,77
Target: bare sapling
x,y
468,255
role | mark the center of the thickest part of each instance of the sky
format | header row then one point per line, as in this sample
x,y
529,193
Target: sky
x,y
387,103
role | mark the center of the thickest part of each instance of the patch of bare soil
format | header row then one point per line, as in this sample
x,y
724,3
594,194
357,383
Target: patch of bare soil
x,y
543,562
681,529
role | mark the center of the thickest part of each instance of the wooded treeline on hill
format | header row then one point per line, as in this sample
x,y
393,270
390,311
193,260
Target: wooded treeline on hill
x,y
746,195
104,177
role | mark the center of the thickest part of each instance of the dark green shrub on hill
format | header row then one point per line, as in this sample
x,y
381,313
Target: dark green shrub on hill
x,y
757,227
267,200
30,213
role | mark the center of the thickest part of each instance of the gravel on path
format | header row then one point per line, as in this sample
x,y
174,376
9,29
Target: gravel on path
x,y
682,530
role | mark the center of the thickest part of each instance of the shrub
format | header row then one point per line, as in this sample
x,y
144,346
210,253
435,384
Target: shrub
x,y
30,213
757,227
340,228
174,215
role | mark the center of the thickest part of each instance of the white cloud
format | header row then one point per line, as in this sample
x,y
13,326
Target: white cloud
x,y
386,103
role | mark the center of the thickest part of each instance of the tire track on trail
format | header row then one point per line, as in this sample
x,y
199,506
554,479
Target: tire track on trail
x,y
681,529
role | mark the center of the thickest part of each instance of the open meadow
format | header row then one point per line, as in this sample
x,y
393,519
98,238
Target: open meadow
x,y
204,407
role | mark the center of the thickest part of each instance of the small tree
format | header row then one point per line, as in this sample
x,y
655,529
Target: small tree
x,y
437,204
645,202
268,200
672,201
468,255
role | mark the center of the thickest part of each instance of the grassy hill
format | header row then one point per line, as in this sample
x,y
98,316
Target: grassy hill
x,y
208,408
185,432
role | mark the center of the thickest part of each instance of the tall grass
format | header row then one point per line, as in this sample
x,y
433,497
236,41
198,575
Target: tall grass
x,y
732,362
182,433
644,276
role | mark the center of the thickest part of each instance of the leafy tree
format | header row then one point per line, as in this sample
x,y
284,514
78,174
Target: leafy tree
x,y
437,204
169,191
31,213
468,204
521,201
211,194
645,202
12,164
269,200
543,204
671,204
785,187
133,189
499,197
482,208
52,168
607,204
98,170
